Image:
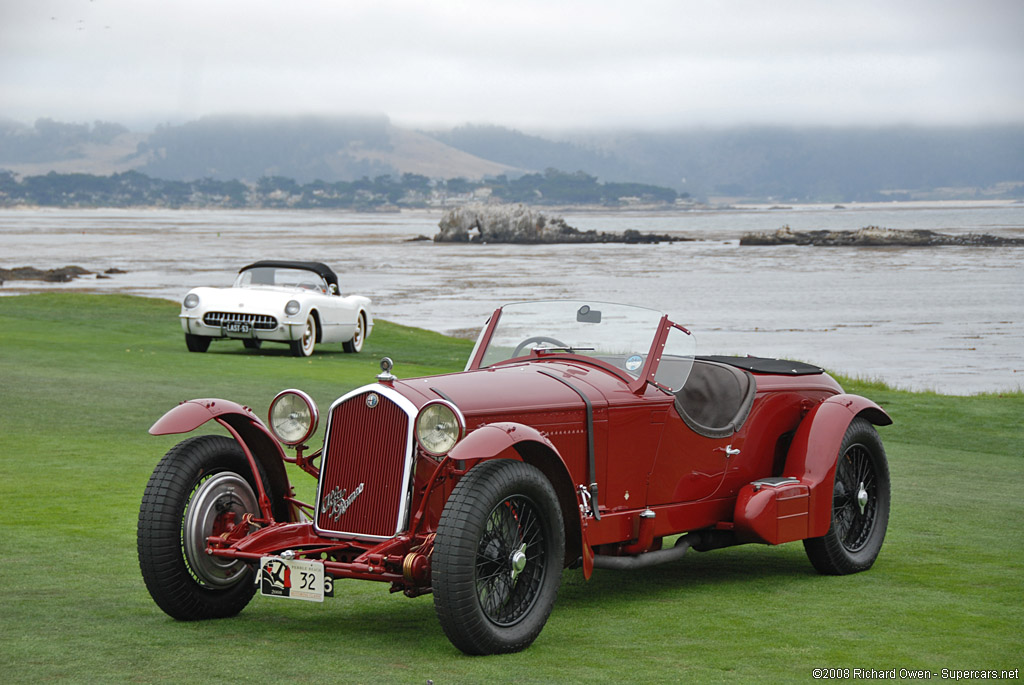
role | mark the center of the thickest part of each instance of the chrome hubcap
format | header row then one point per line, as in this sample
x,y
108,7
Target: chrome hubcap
x,y
862,497
307,336
518,562
221,500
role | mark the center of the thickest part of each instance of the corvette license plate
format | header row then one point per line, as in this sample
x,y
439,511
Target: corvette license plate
x,y
237,327
292,578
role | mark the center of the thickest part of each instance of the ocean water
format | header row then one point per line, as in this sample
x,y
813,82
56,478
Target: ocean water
x,y
949,319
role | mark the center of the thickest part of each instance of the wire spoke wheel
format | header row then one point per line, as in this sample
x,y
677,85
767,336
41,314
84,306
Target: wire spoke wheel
x,y
855,498
498,557
510,561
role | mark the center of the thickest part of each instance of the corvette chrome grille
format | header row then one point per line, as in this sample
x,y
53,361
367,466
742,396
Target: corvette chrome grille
x,y
258,321
366,469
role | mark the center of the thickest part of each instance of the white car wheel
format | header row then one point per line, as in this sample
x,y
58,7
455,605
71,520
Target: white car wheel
x,y
304,346
356,343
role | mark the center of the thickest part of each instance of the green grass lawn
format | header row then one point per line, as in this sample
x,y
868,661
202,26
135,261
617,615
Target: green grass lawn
x,y
84,376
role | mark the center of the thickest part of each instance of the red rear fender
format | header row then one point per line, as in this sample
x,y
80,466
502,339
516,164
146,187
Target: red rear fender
x,y
815,448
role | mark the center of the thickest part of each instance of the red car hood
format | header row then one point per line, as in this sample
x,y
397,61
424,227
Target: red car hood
x,y
499,392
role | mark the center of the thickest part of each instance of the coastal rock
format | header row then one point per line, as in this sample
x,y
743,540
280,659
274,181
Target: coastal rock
x,y
30,273
874,236
520,224
64,274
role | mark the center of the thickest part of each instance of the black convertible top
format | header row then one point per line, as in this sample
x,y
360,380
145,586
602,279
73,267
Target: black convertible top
x,y
779,367
318,268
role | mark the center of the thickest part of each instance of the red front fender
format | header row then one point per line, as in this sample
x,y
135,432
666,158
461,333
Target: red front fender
x,y
531,446
494,438
188,416
812,454
256,440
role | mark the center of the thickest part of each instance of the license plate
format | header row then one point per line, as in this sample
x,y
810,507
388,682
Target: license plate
x,y
292,578
237,327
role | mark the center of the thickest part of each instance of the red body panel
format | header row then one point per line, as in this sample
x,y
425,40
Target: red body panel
x,y
773,514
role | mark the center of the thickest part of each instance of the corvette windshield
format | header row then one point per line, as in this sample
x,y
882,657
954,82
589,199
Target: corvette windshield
x,y
280,277
620,335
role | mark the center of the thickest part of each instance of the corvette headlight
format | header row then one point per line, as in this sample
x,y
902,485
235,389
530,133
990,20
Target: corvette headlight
x,y
292,308
439,426
191,301
293,417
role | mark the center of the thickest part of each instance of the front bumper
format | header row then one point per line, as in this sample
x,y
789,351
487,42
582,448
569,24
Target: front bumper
x,y
242,326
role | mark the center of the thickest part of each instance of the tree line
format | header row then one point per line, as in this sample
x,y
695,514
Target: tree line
x,y
135,189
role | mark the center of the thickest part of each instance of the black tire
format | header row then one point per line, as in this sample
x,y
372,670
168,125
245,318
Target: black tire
x,y
497,560
303,347
197,343
252,343
356,343
860,505
191,489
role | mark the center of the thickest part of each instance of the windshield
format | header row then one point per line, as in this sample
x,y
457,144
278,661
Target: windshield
x,y
282,278
620,335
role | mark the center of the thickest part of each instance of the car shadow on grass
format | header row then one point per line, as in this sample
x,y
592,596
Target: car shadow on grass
x,y
744,568
351,616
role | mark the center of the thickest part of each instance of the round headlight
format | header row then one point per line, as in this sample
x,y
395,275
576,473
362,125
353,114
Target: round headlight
x,y
293,416
191,300
439,426
292,308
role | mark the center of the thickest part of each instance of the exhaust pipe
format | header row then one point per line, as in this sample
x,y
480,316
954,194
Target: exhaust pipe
x,y
702,541
662,556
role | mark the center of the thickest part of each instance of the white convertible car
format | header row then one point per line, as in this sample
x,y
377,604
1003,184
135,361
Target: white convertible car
x,y
297,303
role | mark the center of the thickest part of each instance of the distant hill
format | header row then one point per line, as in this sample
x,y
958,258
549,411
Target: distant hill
x,y
240,148
305,149
822,164
98,148
840,164
773,164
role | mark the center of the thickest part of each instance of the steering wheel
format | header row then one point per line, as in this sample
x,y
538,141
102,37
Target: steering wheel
x,y
537,339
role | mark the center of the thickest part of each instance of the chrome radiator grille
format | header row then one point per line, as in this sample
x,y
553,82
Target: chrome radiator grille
x,y
258,321
365,473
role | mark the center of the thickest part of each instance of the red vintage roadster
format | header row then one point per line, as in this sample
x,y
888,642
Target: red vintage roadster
x,y
581,434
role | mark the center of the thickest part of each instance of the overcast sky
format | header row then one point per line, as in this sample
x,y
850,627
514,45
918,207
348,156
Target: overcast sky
x,y
529,64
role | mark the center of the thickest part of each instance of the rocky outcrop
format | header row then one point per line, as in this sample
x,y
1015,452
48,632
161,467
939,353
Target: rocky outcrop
x,y
30,273
874,236
62,275
520,224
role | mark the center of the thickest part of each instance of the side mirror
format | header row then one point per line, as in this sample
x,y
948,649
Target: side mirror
x,y
587,315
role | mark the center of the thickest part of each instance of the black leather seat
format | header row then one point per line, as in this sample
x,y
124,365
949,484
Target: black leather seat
x,y
716,398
